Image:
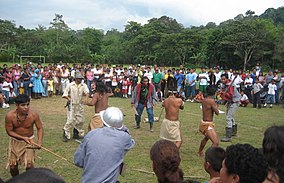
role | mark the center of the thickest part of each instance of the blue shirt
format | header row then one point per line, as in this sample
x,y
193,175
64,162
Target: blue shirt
x,y
191,77
101,154
179,78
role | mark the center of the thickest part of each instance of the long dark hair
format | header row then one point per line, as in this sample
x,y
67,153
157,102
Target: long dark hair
x,y
273,149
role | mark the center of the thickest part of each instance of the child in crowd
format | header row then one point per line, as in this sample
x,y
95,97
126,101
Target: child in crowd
x,y
12,96
124,84
50,86
130,83
7,85
244,99
271,93
199,97
21,86
159,95
257,89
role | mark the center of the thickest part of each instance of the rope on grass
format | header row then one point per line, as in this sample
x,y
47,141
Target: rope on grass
x,y
185,176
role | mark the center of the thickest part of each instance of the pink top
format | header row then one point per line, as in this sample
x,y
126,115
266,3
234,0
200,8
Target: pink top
x,y
17,74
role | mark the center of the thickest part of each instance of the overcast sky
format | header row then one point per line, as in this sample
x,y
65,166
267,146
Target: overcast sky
x,y
107,14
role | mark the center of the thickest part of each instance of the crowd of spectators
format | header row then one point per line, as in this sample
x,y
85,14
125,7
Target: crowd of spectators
x,y
38,81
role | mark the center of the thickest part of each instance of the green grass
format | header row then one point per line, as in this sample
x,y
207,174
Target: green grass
x,y
251,123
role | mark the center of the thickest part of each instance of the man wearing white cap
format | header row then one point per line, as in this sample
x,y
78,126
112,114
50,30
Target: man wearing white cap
x,y
102,151
74,93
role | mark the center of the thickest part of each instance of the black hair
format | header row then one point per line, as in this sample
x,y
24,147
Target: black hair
x,y
247,162
22,98
144,77
210,90
273,149
101,87
36,175
225,75
215,156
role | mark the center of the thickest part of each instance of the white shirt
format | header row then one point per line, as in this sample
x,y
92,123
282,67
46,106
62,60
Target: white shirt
x,y
271,89
204,81
6,86
218,76
248,82
237,81
244,97
149,75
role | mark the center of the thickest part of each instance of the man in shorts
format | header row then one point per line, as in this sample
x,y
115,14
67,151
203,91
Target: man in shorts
x,y
206,127
19,125
170,127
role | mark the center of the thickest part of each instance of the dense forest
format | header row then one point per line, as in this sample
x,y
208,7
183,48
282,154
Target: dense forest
x,y
236,43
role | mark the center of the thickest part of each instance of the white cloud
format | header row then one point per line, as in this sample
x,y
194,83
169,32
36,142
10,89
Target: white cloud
x,y
107,14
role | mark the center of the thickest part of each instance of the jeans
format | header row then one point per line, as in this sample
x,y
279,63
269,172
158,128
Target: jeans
x,y
27,89
270,99
16,87
150,113
190,91
256,100
45,87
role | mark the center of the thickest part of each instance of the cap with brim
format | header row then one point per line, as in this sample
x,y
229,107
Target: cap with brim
x,y
78,75
112,117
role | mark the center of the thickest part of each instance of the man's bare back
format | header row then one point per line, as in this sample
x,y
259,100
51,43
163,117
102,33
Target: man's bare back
x,y
209,107
172,106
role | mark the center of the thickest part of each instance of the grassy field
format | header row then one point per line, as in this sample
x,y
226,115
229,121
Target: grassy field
x,y
252,123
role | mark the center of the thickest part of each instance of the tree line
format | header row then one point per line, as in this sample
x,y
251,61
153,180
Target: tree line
x,y
236,43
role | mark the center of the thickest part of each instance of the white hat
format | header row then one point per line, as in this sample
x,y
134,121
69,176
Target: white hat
x,y
112,117
78,75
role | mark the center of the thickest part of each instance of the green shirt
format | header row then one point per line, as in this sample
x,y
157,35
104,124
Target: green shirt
x,y
157,77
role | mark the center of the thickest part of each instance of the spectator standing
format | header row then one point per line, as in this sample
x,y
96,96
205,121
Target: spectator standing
x,y
16,74
179,79
157,78
257,89
248,86
64,78
190,83
204,78
27,81
271,94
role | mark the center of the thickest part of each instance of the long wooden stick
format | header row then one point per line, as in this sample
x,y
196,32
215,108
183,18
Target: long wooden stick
x,y
148,172
161,114
53,153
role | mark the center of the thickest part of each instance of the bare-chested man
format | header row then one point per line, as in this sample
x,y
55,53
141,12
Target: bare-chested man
x,y
100,101
170,127
19,124
206,127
